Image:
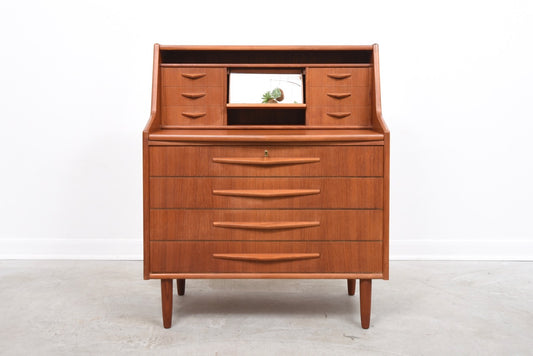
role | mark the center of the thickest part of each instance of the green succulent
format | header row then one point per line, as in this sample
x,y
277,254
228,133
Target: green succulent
x,y
267,97
276,93
273,95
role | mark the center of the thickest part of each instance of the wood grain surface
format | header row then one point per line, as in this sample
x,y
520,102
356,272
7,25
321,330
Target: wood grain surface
x,y
209,224
213,161
198,257
333,193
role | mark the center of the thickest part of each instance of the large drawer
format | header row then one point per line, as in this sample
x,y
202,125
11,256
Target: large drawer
x,y
180,224
264,257
304,161
267,193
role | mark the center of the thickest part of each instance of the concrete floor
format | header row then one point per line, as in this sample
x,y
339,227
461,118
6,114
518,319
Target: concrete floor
x,y
105,308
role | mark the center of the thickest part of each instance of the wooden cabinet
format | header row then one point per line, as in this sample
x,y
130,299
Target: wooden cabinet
x,y
275,190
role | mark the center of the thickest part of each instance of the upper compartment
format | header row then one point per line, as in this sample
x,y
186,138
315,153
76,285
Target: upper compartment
x,y
194,87
266,55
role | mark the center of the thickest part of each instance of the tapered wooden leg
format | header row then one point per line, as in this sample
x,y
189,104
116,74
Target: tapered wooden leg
x,y
365,298
351,286
181,286
166,302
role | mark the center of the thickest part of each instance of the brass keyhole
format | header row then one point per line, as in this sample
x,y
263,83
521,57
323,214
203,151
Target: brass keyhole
x,y
266,153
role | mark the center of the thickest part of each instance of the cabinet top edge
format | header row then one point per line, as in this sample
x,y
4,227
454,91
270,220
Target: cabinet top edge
x,y
266,54
266,48
233,136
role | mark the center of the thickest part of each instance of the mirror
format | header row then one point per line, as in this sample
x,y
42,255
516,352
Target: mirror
x,y
247,87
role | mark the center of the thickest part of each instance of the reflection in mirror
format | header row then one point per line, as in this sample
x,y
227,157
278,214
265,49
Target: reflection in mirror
x,y
266,88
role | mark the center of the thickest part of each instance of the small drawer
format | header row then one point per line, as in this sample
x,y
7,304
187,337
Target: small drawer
x,y
339,77
266,193
261,225
193,77
267,161
193,115
346,96
192,96
266,257
339,115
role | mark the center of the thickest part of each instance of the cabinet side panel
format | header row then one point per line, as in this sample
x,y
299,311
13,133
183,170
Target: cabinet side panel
x,y
377,119
380,125
386,192
154,122
146,207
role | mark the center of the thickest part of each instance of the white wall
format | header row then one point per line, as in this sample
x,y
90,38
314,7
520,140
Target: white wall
x,y
456,91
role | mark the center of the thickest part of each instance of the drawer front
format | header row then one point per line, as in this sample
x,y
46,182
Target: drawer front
x,y
340,115
265,257
193,77
278,225
193,115
258,193
343,96
203,95
302,161
339,77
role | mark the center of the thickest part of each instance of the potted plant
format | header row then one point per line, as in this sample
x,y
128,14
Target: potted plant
x,y
273,96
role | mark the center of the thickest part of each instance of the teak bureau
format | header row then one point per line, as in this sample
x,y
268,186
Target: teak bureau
x,y
266,190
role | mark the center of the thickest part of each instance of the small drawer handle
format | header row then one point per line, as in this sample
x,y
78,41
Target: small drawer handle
x,y
339,95
339,76
193,115
339,115
193,76
193,95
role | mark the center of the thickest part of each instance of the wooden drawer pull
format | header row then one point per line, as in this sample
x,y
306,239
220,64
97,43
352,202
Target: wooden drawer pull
x,y
193,115
339,76
266,257
193,95
193,76
266,225
339,95
266,193
266,161
339,115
